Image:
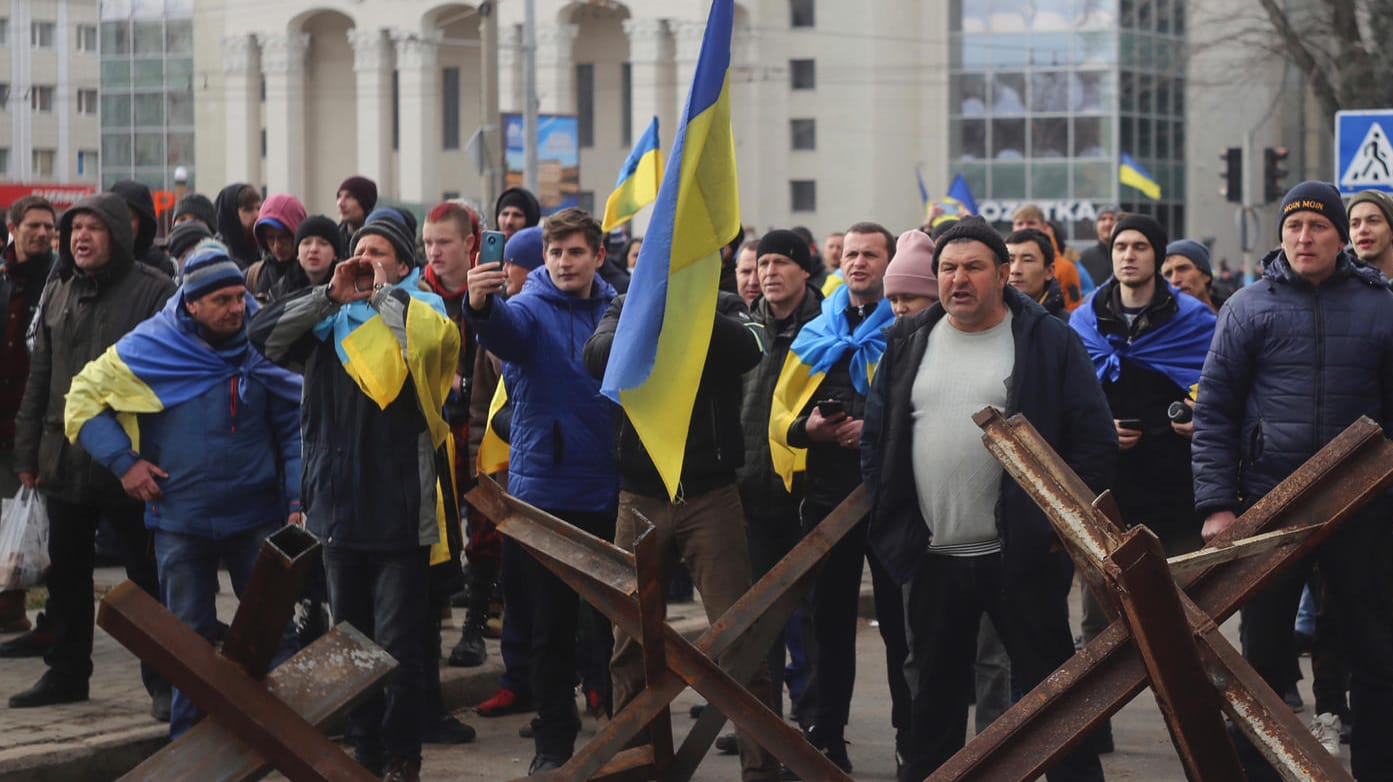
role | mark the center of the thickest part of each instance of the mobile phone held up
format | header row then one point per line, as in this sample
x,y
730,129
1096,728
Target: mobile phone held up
x,y
830,408
1130,423
491,247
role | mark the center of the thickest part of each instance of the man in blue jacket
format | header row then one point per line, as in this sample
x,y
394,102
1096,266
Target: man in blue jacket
x,y
1297,357
946,521
218,465
560,438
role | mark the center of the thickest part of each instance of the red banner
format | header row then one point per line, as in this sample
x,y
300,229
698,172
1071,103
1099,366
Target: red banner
x,y
61,196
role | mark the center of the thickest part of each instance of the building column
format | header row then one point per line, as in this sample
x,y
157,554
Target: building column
x,y
748,96
509,69
651,77
686,38
556,68
242,91
418,91
372,65
283,61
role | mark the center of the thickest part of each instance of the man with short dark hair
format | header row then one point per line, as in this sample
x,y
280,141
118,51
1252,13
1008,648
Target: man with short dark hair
x,y
355,198
1296,358
1097,259
747,272
945,520
97,293
1371,229
1032,270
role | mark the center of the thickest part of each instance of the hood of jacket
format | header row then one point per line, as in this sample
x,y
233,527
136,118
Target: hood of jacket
x,y
111,209
1276,268
532,208
230,231
283,208
137,197
539,284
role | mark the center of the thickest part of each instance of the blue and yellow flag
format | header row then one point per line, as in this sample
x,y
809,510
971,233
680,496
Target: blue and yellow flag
x,y
494,452
960,197
1131,173
638,182
823,342
664,331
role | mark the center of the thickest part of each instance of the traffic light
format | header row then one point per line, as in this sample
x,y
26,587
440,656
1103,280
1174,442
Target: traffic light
x,y
1232,174
1273,173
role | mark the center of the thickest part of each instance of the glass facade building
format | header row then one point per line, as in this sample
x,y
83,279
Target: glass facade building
x,y
1046,95
147,110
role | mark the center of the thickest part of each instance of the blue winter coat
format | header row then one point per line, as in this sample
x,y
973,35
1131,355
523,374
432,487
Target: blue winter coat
x,y
562,428
1291,366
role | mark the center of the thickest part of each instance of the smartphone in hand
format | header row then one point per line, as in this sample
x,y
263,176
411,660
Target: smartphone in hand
x,y
830,408
491,247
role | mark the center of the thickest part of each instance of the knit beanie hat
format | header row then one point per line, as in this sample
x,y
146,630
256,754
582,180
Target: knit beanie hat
x,y
1321,198
787,243
324,228
524,248
1196,252
523,200
186,235
388,225
1152,230
976,229
912,269
209,269
1376,197
363,189
197,205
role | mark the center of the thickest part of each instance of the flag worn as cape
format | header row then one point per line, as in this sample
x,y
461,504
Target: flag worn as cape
x,y
664,331
1176,349
817,348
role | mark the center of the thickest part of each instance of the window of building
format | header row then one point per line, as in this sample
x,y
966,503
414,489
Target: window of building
x,y
585,104
44,161
4,95
449,109
41,97
803,195
263,143
803,74
803,133
801,13
116,37
86,162
626,106
86,37
396,109
86,101
116,149
148,37
178,36
5,41
4,161
179,109
41,35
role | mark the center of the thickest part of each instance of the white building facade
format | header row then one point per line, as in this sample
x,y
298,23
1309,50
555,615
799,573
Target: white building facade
x,y
48,91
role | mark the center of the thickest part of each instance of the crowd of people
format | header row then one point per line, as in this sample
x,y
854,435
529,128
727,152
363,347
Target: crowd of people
x,y
356,375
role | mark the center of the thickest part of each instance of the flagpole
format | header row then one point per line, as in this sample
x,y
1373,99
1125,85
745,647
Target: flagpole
x,y
529,102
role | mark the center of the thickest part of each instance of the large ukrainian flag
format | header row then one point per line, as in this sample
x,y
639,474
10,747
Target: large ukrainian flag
x,y
665,329
638,180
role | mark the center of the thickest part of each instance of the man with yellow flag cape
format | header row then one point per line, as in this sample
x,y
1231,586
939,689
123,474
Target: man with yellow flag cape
x,y
378,356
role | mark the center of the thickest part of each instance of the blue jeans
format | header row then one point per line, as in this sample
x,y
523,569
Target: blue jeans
x,y
384,595
188,569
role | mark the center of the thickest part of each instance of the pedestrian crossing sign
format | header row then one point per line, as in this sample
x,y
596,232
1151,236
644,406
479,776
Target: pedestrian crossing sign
x,y
1363,151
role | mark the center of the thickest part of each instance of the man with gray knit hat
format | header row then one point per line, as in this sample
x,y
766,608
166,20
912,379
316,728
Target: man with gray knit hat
x,y
1187,268
1298,356
1371,229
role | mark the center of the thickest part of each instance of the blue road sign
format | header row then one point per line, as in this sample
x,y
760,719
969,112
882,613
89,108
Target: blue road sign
x,y
1363,152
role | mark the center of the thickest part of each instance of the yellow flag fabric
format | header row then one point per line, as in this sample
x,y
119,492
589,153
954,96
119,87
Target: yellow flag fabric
x,y
794,390
638,181
493,452
107,383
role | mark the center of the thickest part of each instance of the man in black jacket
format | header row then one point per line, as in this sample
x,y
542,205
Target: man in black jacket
x,y
945,519
706,525
1098,258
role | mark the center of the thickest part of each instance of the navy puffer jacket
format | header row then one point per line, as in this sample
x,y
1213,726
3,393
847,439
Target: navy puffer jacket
x,y
1290,367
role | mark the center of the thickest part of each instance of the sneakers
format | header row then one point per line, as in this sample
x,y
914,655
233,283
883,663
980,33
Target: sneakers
x,y
727,745
49,690
1326,728
834,747
32,644
448,730
505,701
470,651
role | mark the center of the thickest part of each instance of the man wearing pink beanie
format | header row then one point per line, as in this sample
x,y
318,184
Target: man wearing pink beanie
x,y
910,284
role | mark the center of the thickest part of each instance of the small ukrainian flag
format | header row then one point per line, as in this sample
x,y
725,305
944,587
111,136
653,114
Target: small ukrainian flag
x,y
1131,173
638,182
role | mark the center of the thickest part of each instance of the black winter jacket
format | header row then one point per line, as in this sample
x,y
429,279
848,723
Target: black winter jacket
x,y
1052,384
762,491
715,446
1291,366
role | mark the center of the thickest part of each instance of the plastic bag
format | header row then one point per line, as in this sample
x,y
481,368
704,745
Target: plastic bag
x,y
23,540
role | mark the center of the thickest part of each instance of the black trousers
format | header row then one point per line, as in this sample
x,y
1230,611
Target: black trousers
x,y
555,619
944,603
769,539
1355,563
70,608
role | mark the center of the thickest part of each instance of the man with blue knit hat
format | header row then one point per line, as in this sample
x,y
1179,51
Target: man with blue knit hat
x,y
1187,269
1298,356
219,462
378,355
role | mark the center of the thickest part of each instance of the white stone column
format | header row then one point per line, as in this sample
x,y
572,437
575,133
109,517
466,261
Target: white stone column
x,y
651,77
748,95
556,68
242,91
418,91
686,38
509,69
372,65
283,60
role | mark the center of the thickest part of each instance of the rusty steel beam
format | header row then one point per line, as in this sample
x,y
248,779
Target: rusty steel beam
x,y
596,569
318,683
652,612
266,604
1205,558
222,689
1334,483
1152,608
